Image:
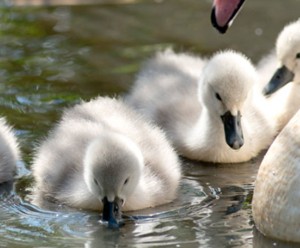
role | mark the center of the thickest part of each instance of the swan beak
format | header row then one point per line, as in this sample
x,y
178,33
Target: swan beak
x,y
112,212
280,78
224,12
233,130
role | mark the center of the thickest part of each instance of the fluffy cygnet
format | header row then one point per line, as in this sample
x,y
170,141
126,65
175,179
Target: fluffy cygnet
x,y
209,109
9,152
286,100
103,155
288,55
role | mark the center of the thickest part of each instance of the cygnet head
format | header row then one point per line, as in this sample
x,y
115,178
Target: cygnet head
x,y
224,86
112,169
288,54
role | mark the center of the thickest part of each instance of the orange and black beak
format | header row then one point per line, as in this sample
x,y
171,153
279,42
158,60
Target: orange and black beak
x,y
224,12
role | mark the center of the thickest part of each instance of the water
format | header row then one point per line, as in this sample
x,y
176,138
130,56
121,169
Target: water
x,y
51,57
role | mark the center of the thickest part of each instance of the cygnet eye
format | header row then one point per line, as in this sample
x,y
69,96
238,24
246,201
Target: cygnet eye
x,y
96,182
298,56
126,181
218,97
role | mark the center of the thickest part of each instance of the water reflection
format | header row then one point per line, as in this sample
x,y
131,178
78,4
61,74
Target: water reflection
x,y
198,216
260,240
27,224
169,224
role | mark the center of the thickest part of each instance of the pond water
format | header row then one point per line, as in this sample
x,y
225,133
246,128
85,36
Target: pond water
x,y
53,56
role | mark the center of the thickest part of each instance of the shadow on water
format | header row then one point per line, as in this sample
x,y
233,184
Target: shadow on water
x,y
52,57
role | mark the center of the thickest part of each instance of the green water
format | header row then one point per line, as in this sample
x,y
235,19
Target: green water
x,y
52,57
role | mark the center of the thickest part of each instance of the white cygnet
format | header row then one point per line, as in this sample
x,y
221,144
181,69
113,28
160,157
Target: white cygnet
x,y
208,109
288,55
104,156
9,152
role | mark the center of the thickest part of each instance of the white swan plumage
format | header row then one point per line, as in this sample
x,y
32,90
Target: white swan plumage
x,y
276,195
188,97
278,69
287,58
102,151
9,152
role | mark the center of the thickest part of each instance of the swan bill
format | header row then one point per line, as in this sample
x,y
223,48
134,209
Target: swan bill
x,y
233,130
222,16
281,77
112,212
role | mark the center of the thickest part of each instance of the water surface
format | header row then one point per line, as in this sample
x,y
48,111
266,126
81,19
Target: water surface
x,y
53,56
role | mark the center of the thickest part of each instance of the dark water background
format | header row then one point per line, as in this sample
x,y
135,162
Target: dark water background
x,y
53,56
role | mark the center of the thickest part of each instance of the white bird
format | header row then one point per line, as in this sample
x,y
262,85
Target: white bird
x,y
288,55
103,153
276,197
224,12
227,121
9,152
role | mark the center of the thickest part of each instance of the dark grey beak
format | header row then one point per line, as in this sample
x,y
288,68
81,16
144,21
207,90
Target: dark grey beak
x,y
233,130
112,212
280,78
215,19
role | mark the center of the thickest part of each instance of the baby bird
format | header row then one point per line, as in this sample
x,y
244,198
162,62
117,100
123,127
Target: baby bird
x,y
288,54
9,152
208,109
104,156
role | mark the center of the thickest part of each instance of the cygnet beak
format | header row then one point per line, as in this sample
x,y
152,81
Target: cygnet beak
x,y
224,12
233,130
112,212
281,77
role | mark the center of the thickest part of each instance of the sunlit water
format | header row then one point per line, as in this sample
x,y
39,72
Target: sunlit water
x,y
52,57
